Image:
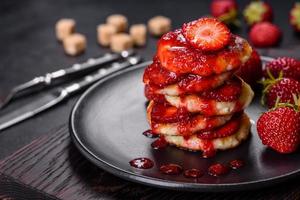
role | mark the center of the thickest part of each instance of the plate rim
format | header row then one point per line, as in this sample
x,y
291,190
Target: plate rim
x,y
156,182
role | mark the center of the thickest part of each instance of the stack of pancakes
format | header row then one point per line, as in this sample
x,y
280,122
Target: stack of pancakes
x,y
196,101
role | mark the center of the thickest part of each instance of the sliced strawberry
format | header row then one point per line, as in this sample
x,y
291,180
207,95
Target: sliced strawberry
x,y
177,55
230,91
168,114
207,34
157,75
228,129
150,93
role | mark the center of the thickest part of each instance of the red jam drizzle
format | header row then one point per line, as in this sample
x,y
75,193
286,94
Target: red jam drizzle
x,y
218,169
142,163
160,143
150,134
193,173
236,164
208,149
171,169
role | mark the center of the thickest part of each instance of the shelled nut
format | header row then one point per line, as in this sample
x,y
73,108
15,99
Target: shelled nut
x,y
138,33
64,28
104,33
159,25
119,21
120,42
74,44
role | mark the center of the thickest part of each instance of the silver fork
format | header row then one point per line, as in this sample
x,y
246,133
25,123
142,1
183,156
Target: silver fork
x,y
49,78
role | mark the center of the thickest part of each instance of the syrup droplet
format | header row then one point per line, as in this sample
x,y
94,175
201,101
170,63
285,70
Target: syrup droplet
x,y
218,169
142,163
171,169
208,149
150,134
192,173
236,164
160,143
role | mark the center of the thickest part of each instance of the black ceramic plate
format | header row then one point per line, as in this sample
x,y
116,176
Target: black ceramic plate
x,y
107,124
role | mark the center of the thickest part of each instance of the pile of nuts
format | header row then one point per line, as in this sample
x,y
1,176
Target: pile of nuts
x,y
111,34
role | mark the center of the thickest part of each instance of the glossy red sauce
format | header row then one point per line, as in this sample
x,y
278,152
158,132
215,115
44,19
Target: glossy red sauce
x,y
218,169
236,164
193,173
171,169
156,75
150,134
228,129
230,91
208,149
175,54
163,113
142,163
159,143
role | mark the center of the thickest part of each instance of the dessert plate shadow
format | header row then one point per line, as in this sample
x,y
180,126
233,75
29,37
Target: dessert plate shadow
x,y
107,123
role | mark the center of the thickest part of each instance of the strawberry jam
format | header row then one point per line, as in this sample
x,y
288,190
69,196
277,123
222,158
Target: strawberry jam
x,y
159,76
168,114
193,173
218,169
171,169
150,134
236,164
230,91
228,129
194,84
142,163
159,143
208,149
175,54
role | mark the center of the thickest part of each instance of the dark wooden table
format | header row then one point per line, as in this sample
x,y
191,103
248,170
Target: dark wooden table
x,y
28,46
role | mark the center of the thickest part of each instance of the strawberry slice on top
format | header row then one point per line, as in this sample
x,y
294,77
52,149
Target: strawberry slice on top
x,y
206,34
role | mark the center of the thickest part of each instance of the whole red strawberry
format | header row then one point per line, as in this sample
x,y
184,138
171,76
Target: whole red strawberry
x,y
279,129
206,34
265,34
225,10
295,17
251,71
258,11
282,89
290,68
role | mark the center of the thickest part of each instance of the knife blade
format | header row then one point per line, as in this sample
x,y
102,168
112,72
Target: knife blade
x,y
53,98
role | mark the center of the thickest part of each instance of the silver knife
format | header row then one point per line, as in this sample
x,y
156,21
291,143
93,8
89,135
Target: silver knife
x,y
55,97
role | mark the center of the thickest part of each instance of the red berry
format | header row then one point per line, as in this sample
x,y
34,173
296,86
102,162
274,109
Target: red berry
x,y
225,10
290,68
258,11
251,71
279,129
207,34
230,91
265,34
228,129
284,89
295,17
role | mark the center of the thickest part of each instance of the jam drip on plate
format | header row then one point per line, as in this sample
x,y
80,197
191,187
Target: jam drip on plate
x,y
142,163
160,143
218,169
193,173
236,164
171,169
149,134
